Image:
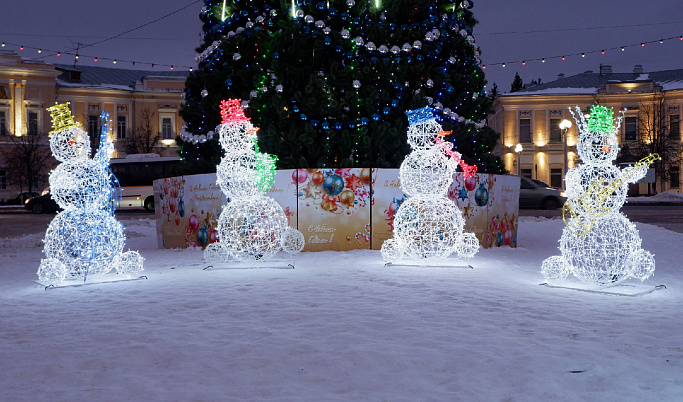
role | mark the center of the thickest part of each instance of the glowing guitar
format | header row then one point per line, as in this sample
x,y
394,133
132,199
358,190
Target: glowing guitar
x,y
588,207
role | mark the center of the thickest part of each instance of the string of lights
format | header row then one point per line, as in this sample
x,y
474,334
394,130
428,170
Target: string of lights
x,y
564,56
75,51
77,56
523,61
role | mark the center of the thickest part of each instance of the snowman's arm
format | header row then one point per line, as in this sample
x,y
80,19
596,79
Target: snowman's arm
x,y
106,148
634,173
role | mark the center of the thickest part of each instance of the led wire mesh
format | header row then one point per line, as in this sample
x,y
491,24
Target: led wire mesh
x,y
599,245
85,239
252,226
427,225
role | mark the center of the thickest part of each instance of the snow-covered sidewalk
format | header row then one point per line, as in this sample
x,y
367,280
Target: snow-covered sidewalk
x,y
340,326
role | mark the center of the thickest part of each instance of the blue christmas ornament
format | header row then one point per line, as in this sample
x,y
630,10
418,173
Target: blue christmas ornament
x,y
333,184
481,196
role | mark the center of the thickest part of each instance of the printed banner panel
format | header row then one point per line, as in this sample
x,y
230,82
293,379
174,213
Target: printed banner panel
x,y
335,209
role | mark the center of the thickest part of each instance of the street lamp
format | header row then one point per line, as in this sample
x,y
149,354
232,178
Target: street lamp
x,y
565,125
518,150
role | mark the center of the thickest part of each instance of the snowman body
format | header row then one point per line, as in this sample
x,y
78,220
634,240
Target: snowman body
x,y
85,239
427,225
251,226
599,245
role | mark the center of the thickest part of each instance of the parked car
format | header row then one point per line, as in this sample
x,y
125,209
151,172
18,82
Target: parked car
x,y
43,204
21,198
539,196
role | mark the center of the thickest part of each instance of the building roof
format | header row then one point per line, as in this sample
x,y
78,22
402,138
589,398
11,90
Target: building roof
x,y
108,77
590,82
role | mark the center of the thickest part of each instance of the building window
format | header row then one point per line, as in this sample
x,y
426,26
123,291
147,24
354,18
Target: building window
x,y
631,128
166,123
524,130
32,123
525,173
555,131
121,127
556,178
94,131
3,179
674,177
3,123
674,126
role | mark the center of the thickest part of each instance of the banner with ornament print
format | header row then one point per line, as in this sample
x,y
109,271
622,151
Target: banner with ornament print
x,y
335,209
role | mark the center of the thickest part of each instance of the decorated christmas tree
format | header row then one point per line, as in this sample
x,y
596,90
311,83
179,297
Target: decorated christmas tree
x,y
329,82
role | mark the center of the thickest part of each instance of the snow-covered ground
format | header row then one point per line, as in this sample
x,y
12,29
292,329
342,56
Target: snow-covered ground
x,y
665,197
339,327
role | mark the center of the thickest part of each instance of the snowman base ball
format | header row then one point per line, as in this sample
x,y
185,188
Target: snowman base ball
x,y
609,253
428,227
85,241
128,263
217,253
252,228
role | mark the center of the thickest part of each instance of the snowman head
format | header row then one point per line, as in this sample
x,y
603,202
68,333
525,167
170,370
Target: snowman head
x,y
422,128
68,141
236,133
597,143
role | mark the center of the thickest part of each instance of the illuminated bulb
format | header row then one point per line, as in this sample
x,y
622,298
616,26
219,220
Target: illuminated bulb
x,y
114,62
40,50
95,58
21,48
59,54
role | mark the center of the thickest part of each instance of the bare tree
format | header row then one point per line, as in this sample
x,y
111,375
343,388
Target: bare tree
x,y
143,139
29,160
655,137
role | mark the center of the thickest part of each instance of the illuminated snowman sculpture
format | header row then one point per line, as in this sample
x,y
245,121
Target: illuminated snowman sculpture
x,y
252,226
428,226
599,245
85,239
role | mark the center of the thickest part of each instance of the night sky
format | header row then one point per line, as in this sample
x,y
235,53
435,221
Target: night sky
x,y
508,32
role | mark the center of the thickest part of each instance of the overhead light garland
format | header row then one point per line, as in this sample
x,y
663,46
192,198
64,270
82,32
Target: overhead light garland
x,y
583,54
77,55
